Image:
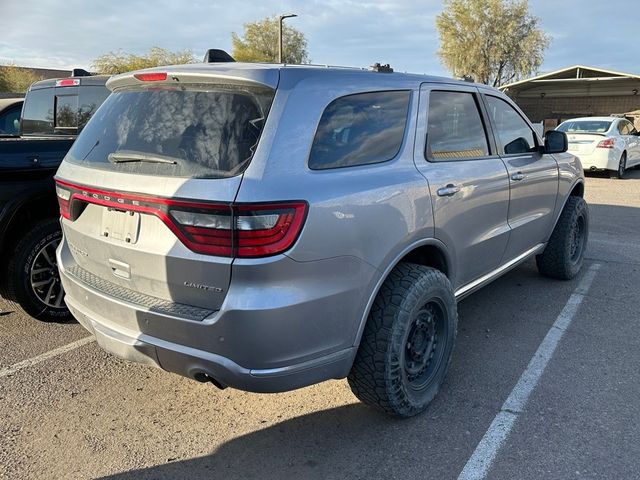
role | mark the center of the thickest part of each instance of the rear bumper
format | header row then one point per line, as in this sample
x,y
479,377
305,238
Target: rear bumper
x,y
190,362
260,348
600,159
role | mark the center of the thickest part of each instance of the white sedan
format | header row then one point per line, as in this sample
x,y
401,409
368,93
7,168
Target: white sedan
x,y
603,143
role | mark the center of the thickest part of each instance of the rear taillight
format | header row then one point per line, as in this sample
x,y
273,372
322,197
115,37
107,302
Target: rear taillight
x,y
64,196
204,228
229,230
606,143
262,230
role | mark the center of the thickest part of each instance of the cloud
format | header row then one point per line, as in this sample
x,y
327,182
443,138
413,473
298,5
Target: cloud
x,y
50,33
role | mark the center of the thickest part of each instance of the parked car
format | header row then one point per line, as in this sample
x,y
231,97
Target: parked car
x,y
603,143
10,109
54,112
266,227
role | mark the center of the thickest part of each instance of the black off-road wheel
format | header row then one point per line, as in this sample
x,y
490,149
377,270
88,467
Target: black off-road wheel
x,y
33,282
622,167
407,342
564,254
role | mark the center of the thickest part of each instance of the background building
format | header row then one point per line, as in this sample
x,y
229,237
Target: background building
x,y
44,73
577,91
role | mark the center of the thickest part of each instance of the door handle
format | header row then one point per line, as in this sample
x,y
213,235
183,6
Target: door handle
x,y
516,177
448,191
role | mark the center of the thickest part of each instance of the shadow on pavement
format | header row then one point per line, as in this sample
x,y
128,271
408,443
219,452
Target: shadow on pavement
x,y
324,444
356,442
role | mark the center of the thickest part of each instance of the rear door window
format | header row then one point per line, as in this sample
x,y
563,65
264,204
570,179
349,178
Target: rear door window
x,y
10,121
201,131
455,130
360,129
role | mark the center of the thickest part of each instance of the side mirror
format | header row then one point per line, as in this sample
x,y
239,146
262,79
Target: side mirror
x,y
555,142
519,145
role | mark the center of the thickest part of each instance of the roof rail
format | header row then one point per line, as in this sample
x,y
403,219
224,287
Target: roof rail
x,y
215,55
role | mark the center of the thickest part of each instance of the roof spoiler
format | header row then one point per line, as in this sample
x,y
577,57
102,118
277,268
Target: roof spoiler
x,y
215,55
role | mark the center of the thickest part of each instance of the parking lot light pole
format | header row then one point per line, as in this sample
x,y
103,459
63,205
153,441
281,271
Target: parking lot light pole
x,y
280,19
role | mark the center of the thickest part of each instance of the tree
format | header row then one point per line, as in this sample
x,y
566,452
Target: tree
x,y
494,41
260,43
16,79
120,62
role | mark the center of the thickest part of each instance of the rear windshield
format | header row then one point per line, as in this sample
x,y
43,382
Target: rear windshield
x,y
207,131
585,126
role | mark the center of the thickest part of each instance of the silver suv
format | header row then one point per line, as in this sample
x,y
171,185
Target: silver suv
x,y
267,227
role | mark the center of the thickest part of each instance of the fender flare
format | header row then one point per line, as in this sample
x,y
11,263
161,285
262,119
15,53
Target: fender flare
x,y
385,273
564,203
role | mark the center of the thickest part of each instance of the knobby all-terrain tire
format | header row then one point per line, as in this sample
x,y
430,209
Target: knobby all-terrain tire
x,y
383,374
19,291
562,258
622,167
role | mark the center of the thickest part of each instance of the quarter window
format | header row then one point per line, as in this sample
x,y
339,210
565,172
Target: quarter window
x,y
454,127
514,133
360,129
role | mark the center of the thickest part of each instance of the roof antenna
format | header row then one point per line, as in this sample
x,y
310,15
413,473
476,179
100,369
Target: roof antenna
x,y
215,55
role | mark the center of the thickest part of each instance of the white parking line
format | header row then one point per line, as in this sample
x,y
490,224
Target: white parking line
x,y
478,465
11,369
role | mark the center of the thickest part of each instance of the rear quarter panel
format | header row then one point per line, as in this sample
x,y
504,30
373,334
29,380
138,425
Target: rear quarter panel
x,y
368,214
364,211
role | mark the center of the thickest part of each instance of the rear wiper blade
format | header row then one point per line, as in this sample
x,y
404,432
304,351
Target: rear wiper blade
x,y
128,156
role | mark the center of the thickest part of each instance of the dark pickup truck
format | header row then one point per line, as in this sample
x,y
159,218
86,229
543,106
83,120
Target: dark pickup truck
x,y
53,114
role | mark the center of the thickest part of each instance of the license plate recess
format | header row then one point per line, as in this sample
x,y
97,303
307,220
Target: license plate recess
x,y
120,225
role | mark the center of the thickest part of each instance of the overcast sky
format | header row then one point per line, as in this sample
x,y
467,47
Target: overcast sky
x,y
71,33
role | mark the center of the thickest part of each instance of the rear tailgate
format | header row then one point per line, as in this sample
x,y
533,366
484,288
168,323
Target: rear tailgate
x,y
120,239
145,192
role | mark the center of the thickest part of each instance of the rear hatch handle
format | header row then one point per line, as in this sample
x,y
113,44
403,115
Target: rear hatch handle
x,y
120,269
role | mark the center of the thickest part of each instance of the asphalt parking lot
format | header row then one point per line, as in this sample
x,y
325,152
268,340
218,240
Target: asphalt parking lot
x,y
85,414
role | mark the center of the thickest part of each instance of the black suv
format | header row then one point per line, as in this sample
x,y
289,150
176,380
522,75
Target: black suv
x,y
54,112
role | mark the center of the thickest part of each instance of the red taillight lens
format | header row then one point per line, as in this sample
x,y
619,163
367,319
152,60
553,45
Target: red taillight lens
x,y
64,196
68,82
228,230
205,230
606,143
151,77
263,230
